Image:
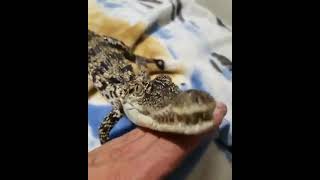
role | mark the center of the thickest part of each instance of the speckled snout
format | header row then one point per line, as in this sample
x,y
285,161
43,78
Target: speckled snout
x,y
194,100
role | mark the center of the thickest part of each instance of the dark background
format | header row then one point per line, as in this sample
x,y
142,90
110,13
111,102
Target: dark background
x,y
44,89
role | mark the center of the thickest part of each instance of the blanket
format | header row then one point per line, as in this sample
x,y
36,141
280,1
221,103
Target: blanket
x,y
195,45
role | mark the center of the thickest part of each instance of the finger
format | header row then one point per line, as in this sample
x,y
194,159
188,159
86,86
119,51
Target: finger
x,y
219,113
136,147
126,138
120,147
139,140
120,141
130,144
188,142
170,149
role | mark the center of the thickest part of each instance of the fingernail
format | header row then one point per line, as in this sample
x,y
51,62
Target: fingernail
x,y
222,107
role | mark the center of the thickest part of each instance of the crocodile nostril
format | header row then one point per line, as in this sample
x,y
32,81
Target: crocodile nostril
x,y
198,100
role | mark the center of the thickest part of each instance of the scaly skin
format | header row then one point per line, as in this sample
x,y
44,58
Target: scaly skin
x,y
156,103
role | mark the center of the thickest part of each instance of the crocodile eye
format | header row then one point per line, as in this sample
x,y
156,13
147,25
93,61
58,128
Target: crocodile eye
x,y
198,100
138,90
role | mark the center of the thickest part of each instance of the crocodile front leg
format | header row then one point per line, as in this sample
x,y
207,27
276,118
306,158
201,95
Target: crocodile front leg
x,y
109,121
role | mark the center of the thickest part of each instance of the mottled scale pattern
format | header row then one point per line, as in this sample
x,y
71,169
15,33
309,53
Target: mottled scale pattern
x,y
183,102
172,118
107,66
159,92
150,102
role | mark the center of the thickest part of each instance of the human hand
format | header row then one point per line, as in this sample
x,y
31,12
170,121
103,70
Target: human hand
x,y
144,154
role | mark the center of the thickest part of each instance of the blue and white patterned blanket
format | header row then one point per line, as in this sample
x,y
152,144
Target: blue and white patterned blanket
x,y
181,31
